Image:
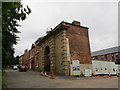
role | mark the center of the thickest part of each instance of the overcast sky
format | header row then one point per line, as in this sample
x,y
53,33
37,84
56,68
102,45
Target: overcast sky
x,y
100,17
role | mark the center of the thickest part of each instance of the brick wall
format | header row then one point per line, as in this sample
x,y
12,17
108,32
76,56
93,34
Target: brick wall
x,y
37,56
26,57
110,57
32,57
66,42
79,44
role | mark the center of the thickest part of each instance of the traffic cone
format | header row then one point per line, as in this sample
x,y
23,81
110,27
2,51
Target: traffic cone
x,y
52,76
109,75
41,73
45,74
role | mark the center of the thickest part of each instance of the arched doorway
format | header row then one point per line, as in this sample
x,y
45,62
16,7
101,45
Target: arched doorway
x,y
47,59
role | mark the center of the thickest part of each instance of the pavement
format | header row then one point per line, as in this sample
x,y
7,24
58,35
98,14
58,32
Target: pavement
x,y
31,79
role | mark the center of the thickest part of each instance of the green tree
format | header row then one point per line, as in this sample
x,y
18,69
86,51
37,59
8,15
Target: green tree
x,y
12,12
16,60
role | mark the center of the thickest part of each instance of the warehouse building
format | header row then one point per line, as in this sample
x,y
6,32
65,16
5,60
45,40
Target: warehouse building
x,y
110,54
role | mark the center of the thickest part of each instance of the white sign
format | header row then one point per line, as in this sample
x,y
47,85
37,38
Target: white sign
x,y
88,72
76,68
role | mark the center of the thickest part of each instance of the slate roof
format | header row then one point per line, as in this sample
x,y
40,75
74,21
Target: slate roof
x,y
106,51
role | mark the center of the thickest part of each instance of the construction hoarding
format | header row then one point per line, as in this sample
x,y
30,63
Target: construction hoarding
x,y
103,67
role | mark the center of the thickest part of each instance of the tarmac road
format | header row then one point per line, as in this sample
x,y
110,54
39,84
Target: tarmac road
x,y
31,79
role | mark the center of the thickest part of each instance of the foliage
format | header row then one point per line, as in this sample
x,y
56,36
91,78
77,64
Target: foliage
x,y
12,12
3,81
16,60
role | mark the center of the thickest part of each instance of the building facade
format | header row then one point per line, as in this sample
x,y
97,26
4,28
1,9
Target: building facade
x,y
110,54
26,58
55,51
37,55
32,58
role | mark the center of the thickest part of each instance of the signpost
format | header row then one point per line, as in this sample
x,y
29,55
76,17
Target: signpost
x,y
88,72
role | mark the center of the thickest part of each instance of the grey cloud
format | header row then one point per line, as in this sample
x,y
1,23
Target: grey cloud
x,y
101,18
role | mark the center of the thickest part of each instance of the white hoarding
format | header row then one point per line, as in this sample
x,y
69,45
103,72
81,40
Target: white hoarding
x,y
103,67
117,69
75,68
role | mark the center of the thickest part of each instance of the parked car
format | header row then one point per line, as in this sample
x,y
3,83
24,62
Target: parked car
x,y
15,67
22,68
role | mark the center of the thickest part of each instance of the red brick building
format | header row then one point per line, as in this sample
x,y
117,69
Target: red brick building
x,y
21,59
26,58
110,54
32,58
37,54
78,42
61,45
66,42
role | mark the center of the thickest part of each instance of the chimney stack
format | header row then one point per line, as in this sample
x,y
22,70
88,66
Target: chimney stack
x,y
76,23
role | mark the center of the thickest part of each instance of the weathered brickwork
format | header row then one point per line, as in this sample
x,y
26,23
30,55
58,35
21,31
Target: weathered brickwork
x,y
37,55
79,44
26,58
32,58
54,52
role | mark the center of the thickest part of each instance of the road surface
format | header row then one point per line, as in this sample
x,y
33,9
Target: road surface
x,y
33,79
